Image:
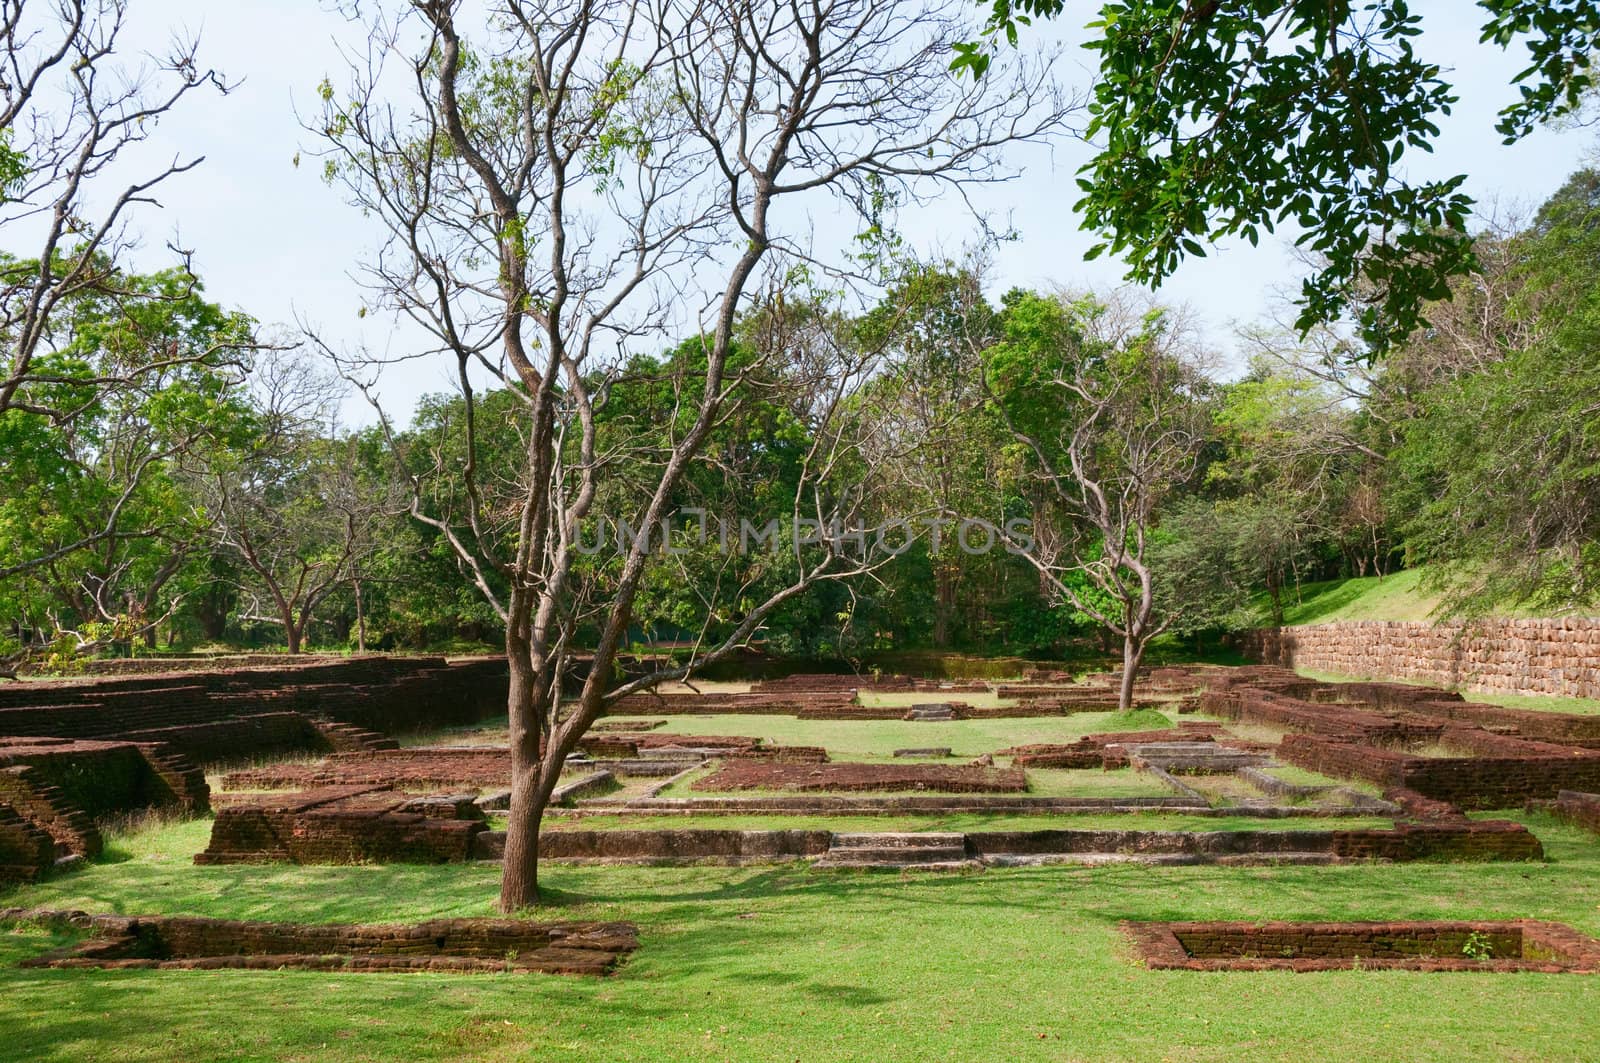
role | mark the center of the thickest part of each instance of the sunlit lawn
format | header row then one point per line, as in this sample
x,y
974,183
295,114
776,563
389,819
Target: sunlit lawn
x,y
781,963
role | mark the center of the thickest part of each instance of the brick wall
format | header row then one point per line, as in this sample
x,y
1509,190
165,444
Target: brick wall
x,y
1550,656
340,825
228,715
435,945
1520,945
1578,808
1505,773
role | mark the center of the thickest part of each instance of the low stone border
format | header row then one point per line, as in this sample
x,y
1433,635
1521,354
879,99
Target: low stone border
x,y
845,777
1404,842
824,805
1494,947
438,945
1579,809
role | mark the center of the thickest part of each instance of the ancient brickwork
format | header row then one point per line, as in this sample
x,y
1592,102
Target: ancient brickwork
x,y
1499,773
343,825
464,945
1577,808
666,847
856,778
72,831
102,778
418,767
1494,947
26,849
1106,751
232,714
1547,656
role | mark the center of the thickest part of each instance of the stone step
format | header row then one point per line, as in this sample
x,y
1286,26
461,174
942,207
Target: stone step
x,y
900,840
831,863
1160,859
897,856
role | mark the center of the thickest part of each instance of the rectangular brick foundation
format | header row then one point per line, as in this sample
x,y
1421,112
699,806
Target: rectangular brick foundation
x,y
449,945
1496,947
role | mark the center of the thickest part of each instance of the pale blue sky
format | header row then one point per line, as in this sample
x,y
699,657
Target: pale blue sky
x,y
273,240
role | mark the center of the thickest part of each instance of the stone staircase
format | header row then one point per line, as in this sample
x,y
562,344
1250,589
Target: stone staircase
x,y
898,852
184,780
939,710
348,738
46,807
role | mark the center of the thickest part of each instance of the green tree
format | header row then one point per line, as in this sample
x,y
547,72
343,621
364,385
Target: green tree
x,y
91,516
1112,413
1221,118
1500,472
560,179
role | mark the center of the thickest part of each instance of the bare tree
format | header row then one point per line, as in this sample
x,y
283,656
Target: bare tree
x,y
566,189
71,110
287,497
1107,399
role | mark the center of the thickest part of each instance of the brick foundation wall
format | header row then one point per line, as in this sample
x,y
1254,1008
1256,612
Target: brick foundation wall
x,y
26,850
196,942
1550,656
1519,945
1579,809
341,825
1505,773
231,714
103,778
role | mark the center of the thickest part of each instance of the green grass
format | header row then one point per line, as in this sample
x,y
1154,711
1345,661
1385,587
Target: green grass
x,y
851,739
777,963
1093,782
1042,782
964,821
905,699
1536,702
1400,596
866,739
1394,597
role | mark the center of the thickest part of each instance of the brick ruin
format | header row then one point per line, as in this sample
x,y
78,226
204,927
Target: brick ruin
x,y
1515,656
1494,947
229,715
74,752
438,945
1481,757
1105,751
836,697
1579,809
59,788
852,777
354,809
435,767
345,825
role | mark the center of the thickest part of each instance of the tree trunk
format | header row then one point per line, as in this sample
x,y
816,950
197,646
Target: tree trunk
x,y
361,621
1132,651
519,878
944,600
291,634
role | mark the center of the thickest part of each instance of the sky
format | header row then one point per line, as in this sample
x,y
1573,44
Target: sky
x,y
274,240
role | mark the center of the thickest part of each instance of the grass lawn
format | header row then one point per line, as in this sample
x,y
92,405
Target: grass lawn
x,y
1537,702
903,699
866,739
853,739
961,821
778,963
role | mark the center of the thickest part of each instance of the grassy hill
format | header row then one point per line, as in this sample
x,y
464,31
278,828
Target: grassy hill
x,y
1395,597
